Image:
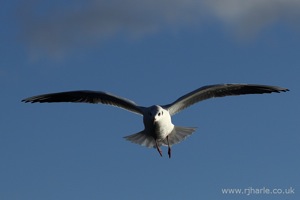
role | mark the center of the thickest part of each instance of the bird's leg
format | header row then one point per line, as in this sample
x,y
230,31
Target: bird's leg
x,y
169,148
158,149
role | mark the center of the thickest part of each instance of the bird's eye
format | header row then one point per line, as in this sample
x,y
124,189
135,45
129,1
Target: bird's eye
x,y
158,114
162,112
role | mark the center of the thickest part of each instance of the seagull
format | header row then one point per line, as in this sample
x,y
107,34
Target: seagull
x,y
158,127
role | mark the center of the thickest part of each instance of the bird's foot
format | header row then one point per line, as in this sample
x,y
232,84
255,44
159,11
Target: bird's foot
x,y
159,151
158,148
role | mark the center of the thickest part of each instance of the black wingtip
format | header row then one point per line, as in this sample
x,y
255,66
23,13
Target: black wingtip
x,y
25,101
28,101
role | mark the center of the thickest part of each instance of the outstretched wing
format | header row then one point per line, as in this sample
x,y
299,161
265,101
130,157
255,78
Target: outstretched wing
x,y
219,90
86,96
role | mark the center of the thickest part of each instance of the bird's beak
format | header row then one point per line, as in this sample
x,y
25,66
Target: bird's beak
x,y
154,120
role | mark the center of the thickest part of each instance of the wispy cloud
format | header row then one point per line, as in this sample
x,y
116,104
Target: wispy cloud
x,y
56,27
249,17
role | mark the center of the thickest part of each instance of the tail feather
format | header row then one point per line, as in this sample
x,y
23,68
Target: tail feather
x,y
178,134
141,138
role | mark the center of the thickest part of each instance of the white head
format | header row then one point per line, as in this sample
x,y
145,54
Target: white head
x,y
155,113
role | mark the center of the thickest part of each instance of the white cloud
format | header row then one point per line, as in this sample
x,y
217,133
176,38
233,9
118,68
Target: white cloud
x,y
56,27
249,17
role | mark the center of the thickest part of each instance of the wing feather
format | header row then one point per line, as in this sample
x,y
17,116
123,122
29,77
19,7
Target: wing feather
x,y
220,90
86,96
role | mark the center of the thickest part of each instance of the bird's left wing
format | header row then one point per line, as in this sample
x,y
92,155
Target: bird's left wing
x,y
86,96
219,90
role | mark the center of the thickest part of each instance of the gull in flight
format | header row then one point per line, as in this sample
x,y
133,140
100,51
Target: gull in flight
x,y
159,129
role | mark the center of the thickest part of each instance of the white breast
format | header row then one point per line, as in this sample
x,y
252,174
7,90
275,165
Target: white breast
x,y
158,122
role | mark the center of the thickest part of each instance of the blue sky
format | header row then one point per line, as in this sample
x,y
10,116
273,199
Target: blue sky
x,y
151,52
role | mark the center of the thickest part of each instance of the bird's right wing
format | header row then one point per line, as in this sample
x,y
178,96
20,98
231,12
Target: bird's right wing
x,y
86,96
219,90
